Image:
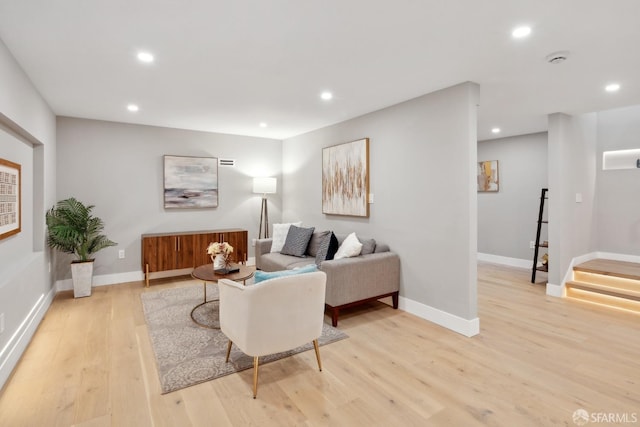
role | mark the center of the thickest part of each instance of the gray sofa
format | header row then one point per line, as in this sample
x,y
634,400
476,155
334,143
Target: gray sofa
x,y
350,281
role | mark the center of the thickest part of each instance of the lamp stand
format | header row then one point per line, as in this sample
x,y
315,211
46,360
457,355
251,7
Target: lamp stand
x,y
264,217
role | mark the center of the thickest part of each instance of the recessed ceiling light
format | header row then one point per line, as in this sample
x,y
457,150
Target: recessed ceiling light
x,y
263,125
133,108
145,57
326,95
495,130
613,87
520,32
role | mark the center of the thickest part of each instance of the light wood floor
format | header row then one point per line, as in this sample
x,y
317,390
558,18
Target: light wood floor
x,y
536,360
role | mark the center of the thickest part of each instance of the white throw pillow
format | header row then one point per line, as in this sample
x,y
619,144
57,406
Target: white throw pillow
x,y
280,232
349,248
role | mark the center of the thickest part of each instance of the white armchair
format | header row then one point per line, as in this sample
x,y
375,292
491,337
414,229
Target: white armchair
x,y
273,316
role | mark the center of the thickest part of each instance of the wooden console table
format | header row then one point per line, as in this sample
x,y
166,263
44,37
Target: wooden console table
x,y
188,249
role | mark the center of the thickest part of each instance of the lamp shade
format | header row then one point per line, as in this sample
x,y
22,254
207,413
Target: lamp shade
x,y
264,185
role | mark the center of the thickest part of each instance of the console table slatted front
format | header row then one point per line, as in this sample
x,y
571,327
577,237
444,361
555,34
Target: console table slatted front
x,y
162,252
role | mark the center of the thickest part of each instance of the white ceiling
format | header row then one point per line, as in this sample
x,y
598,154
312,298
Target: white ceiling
x,y
226,66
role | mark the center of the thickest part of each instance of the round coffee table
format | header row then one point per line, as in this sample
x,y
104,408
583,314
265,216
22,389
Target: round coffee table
x,y
206,274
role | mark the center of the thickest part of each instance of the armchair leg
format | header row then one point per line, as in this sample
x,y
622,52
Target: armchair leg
x,y
228,351
255,376
317,348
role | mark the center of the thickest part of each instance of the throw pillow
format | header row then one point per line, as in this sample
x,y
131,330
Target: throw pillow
x,y
261,276
382,247
327,249
297,241
280,232
349,248
316,240
368,246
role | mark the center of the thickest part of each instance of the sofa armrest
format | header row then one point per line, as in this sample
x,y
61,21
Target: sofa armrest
x,y
263,246
374,274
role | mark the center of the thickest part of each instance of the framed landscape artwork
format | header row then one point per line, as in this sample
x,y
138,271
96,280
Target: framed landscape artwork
x,y
488,176
190,182
345,179
10,199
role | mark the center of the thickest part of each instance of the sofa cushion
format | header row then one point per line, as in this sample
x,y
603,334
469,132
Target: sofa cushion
x,y
280,232
315,242
349,248
327,249
297,241
301,262
368,246
261,276
277,261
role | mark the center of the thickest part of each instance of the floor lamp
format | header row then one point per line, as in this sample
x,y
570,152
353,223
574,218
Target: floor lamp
x,y
264,186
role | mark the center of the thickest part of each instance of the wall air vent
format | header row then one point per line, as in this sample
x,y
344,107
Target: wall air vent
x,y
227,162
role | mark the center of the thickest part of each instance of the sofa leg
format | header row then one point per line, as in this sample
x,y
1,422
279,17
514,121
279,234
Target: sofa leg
x,y
334,316
394,299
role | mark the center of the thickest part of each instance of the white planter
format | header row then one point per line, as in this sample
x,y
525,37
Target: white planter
x,y
82,274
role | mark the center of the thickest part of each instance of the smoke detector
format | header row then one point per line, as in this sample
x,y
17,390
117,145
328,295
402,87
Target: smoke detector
x,y
557,57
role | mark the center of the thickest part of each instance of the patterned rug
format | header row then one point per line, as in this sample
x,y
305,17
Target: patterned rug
x,y
188,354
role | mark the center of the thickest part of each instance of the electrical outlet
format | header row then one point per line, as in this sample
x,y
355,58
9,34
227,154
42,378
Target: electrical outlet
x,y
1,323
532,245
253,242
121,254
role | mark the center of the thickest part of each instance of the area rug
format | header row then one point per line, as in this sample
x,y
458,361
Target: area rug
x,y
188,354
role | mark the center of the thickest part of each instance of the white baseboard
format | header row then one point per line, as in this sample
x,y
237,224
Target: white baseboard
x,y
555,290
457,324
130,276
105,279
17,344
618,257
503,260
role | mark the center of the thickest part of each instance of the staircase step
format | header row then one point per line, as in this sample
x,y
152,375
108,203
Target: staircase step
x,y
613,291
603,299
607,267
607,282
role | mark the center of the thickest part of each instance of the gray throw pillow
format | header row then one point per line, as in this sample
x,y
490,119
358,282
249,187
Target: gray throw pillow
x,y
368,246
327,249
382,247
297,241
315,242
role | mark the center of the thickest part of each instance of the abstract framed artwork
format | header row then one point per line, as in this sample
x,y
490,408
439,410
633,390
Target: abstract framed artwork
x,y
190,182
488,176
10,198
345,179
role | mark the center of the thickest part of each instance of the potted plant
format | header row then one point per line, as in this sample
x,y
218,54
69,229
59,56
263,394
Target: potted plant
x,y
74,230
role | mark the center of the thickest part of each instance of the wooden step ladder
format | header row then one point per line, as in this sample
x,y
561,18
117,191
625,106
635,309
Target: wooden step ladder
x,y
537,244
607,282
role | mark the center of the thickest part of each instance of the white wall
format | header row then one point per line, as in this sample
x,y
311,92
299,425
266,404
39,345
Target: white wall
x,y
507,219
572,166
119,168
618,191
422,175
27,137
